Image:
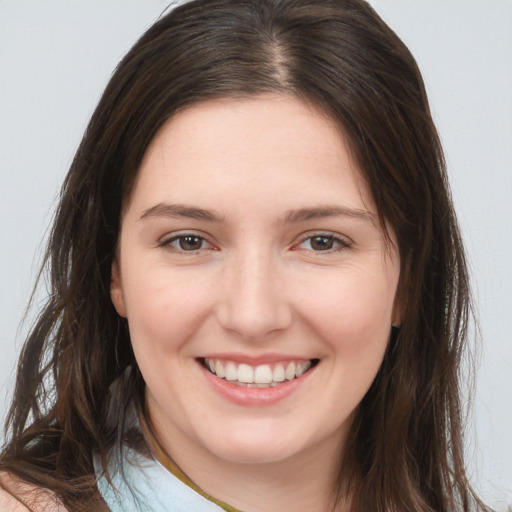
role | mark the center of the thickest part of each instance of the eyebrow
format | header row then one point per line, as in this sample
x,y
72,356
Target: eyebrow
x,y
178,210
164,210
305,214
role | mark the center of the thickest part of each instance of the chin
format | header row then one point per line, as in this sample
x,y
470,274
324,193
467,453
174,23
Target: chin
x,y
256,445
251,453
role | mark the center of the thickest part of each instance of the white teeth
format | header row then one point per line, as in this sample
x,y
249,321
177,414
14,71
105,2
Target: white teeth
x,y
231,371
278,373
290,371
245,373
263,374
301,368
219,370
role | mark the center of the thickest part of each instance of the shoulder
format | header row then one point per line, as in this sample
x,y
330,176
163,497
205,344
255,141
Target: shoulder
x,y
17,495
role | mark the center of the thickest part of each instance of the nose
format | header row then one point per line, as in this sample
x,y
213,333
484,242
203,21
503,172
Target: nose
x,y
253,298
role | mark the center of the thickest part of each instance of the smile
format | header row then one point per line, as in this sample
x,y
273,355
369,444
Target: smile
x,y
261,376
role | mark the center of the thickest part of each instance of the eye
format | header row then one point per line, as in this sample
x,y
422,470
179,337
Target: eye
x,y
187,242
323,243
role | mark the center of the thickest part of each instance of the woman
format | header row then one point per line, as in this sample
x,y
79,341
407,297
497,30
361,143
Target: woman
x,y
259,294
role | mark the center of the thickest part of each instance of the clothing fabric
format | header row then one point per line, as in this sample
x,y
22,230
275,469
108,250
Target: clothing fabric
x,y
146,479
143,484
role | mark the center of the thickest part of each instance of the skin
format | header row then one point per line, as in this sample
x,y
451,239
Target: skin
x,y
257,284
16,495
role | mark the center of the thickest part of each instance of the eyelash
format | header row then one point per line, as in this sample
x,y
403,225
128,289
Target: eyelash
x,y
168,243
338,244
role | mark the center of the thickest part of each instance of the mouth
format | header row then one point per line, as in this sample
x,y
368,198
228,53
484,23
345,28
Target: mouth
x,y
259,376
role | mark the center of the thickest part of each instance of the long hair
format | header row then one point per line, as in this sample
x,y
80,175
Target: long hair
x,y
405,445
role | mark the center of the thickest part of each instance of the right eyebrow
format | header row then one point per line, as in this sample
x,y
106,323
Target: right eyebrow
x,y
323,211
165,210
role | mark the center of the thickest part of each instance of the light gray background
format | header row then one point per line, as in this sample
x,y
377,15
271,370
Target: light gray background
x,y
56,57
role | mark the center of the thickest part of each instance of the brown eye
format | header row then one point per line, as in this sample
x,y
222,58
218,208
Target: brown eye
x,y
186,243
322,243
190,243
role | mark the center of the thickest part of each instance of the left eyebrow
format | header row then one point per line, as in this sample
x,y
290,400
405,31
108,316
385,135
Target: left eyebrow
x,y
319,212
178,210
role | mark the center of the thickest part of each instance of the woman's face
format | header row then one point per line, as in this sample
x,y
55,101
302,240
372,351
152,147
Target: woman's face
x,y
255,280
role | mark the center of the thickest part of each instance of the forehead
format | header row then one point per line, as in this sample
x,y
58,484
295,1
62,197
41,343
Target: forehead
x,y
276,148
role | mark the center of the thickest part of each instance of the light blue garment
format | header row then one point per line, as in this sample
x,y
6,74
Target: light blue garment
x,y
148,487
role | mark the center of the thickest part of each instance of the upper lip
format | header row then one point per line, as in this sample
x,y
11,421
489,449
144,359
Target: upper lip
x,y
255,360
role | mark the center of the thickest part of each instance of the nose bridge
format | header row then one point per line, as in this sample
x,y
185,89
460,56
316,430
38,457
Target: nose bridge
x,y
254,302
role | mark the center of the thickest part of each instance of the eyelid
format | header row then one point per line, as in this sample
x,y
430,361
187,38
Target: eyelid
x,y
166,240
343,241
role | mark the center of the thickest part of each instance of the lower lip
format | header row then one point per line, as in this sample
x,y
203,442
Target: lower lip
x,y
255,397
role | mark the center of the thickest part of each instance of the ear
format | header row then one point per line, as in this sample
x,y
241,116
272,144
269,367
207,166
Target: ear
x,y
116,290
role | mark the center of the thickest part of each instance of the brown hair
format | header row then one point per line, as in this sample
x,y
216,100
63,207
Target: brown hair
x,y
405,447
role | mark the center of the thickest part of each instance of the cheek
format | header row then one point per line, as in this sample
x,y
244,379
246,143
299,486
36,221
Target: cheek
x,y
353,307
163,308
352,318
